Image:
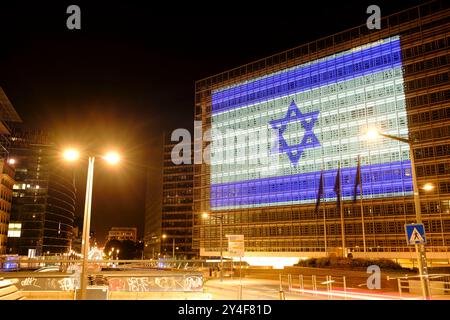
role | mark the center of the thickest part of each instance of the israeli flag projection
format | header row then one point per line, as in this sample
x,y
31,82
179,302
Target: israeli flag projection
x,y
273,135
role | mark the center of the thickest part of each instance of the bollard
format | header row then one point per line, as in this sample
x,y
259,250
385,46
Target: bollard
x,y
345,287
282,297
314,284
300,282
290,282
327,280
240,292
331,288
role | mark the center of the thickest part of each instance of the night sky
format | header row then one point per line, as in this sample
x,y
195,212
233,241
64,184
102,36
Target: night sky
x,y
128,75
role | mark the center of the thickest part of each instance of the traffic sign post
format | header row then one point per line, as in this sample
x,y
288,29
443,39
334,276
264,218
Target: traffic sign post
x,y
415,234
236,248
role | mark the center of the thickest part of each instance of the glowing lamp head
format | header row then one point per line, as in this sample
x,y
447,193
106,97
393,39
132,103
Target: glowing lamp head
x,y
12,161
373,133
71,155
112,157
164,236
205,215
428,187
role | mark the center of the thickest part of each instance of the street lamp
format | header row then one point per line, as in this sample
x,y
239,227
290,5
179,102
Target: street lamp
x,y
420,248
73,155
205,215
164,236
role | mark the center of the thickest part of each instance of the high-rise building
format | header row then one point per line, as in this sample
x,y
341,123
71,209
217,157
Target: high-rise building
x,y
43,197
169,225
8,115
281,121
6,185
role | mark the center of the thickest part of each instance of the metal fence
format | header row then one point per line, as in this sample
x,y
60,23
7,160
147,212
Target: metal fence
x,y
439,285
313,285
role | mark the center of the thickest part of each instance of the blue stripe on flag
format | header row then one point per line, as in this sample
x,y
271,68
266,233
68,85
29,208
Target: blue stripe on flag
x,y
377,180
354,64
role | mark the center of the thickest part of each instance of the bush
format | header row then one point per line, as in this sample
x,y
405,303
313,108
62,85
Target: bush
x,y
348,263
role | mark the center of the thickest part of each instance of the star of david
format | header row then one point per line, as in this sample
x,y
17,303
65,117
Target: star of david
x,y
309,140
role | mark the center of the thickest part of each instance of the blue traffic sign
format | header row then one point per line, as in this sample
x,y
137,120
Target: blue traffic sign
x,y
415,233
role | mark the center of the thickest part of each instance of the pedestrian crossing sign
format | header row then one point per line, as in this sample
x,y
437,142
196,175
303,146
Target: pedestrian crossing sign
x,y
415,233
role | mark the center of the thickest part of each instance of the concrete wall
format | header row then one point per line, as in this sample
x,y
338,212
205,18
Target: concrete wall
x,y
117,295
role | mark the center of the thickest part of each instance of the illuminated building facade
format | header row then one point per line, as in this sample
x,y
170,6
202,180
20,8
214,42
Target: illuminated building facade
x,y
43,195
278,123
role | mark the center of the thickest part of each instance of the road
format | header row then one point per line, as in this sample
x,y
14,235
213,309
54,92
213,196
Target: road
x,y
252,289
266,289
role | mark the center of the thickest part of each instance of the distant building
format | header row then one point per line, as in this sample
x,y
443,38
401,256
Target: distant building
x,y
7,182
7,116
121,234
43,197
169,222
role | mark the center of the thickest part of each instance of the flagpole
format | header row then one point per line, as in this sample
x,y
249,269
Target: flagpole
x,y
341,209
325,228
362,213
321,195
358,182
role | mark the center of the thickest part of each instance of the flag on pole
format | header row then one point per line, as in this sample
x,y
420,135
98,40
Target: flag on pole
x,y
320,191
357,179
337,185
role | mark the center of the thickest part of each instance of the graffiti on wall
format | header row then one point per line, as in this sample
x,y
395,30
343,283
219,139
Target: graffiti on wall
x,y
48,283
149,284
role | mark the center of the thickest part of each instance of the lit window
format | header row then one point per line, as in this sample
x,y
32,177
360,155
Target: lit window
x,y
14,230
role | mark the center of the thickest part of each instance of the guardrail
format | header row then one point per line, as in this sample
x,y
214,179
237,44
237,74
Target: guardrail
x,y
17,263
313,285
439,285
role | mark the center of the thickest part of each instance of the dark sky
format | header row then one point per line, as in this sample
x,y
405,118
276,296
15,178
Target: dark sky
x,y
129,73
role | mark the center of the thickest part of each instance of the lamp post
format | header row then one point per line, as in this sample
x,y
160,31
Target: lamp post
x,y
205,215
420,248
164,236
173,248
73,155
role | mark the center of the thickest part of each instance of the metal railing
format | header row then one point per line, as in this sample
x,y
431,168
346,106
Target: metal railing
x,y
313,285
439,285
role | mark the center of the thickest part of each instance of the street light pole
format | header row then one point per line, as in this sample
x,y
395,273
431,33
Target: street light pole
x,y
221,250
86,226
420,248
73,155
173,248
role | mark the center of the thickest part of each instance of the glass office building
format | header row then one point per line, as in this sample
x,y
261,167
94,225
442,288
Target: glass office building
x,y
278,124
43,196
